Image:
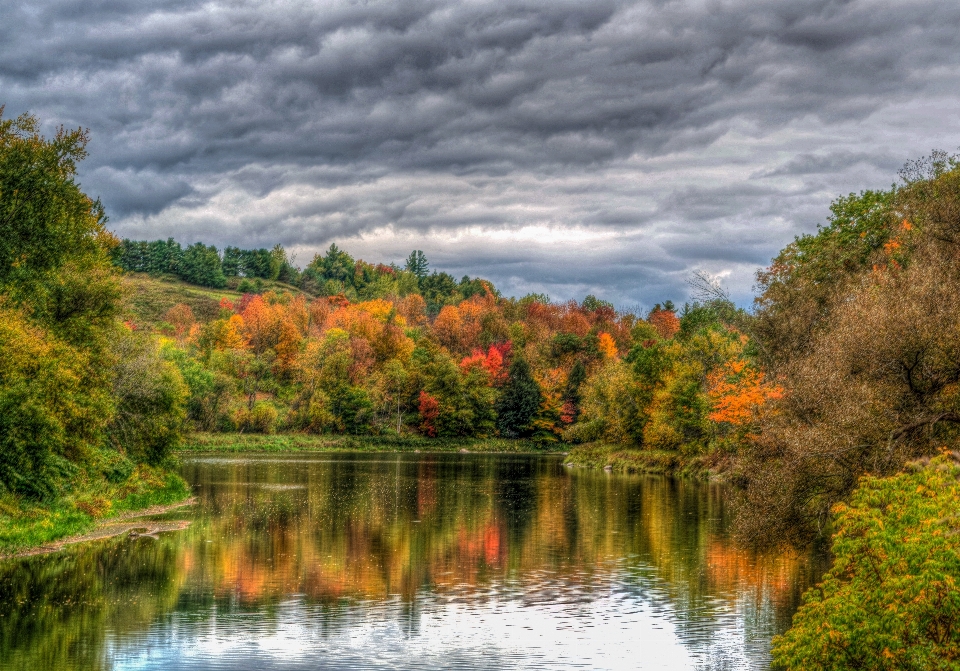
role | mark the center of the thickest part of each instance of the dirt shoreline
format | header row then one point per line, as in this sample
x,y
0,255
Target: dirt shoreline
x,y
115,526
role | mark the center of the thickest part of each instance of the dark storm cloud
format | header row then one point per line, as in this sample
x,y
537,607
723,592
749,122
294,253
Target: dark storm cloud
x,y
641,139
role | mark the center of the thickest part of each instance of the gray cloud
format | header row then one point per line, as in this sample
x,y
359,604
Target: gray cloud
x,y
612,146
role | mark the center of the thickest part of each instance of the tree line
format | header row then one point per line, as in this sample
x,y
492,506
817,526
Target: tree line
x,y
481,365
331,274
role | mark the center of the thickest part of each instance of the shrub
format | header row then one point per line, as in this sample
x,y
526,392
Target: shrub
x,y
151,399
261,419
49,410
891,598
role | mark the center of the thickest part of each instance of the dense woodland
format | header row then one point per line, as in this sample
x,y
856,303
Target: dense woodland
x,y
847,366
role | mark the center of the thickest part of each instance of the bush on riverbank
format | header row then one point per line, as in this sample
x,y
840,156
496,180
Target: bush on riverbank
x,y
621,459
891,600
26,524
298,442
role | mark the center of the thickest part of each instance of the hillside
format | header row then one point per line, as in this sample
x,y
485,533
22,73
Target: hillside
x,y
148,298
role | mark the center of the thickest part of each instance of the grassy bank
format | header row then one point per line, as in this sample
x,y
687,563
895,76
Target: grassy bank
x,y
295,442
25,524
620,459
149,297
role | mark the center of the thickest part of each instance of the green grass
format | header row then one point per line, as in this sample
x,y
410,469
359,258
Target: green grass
x,y
622,459
237,442
168,488
25,524
149,297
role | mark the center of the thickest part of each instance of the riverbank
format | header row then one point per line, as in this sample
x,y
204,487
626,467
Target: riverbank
x,y
297,442
616,458
621,459
26,526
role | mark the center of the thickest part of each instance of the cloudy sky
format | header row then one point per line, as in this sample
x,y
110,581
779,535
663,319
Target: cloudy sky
x,y
599,146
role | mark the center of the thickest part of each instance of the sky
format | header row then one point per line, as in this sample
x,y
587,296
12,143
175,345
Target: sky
x,y
562,147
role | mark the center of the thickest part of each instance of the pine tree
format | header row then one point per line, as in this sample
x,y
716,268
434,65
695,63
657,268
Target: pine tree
x,y
417,263
572,395
519,400
201,265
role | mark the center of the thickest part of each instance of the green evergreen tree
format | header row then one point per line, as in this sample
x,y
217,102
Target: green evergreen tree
x,y
572,393
439,289
519,400
417,263
258,263
232,261
201,265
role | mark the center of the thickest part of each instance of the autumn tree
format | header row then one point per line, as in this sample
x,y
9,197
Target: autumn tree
x,y
150,397
737,391
51,413
872,381
610,407
46,220
60,301
429,409
572,395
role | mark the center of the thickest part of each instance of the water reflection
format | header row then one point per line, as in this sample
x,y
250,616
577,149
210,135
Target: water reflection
x,y
410,561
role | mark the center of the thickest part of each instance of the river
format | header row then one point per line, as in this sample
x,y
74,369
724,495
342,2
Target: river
x,y
410,561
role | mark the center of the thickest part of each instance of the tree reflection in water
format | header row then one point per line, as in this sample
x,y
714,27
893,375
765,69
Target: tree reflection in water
x,y
439,560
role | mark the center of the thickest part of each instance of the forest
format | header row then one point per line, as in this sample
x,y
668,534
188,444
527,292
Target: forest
x,y
844,374
361,348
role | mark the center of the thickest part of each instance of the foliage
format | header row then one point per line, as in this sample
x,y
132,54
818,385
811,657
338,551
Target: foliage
x,y
519,400
873,383
201,265
890,600
609,409
345,363
737,390
80,395
204,265
150,396
46,220
429,410
417,264
261,418
51,412
809,275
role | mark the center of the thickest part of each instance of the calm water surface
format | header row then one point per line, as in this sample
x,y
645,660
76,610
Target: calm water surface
x,y
413,561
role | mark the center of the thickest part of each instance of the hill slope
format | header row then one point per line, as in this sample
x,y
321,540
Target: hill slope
x,y
149,297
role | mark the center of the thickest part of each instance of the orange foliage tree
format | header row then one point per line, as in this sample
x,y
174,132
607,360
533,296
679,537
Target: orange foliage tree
x,y
607,346
664,322
737,390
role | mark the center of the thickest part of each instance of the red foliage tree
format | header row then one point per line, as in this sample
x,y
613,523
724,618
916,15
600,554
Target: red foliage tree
x,y
429,411
664,322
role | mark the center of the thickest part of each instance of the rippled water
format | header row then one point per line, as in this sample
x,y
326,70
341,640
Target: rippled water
x,y
373,561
